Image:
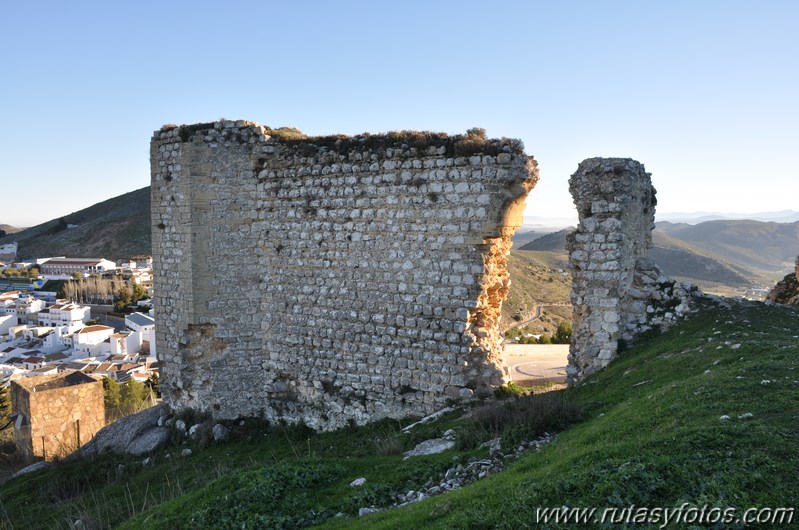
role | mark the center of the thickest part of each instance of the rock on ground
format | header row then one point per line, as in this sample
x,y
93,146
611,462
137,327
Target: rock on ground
x,y
131,433
431,447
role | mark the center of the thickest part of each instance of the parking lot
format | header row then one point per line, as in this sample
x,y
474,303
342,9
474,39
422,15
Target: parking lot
x,y
536,364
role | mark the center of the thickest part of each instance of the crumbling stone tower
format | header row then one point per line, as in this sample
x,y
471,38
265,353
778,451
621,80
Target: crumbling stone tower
x,y
617,291
330,279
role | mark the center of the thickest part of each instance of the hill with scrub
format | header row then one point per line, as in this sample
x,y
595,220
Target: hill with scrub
x,y
704,414
725,256
536,281
113,229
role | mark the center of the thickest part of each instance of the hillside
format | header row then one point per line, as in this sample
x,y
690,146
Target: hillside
x,y
524,236
8,229
704,414
534,282
680,260
765,247
113,229
554,242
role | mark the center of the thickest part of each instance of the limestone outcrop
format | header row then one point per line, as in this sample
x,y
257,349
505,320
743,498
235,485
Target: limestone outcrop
x,y
331,279
787,290
137,434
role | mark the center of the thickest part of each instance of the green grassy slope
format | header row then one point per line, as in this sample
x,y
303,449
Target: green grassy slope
x,y
654,436
651,435
113,229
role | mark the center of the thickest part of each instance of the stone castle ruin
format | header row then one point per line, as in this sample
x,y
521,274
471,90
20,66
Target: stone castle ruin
x,y
617,291
331,279
339,279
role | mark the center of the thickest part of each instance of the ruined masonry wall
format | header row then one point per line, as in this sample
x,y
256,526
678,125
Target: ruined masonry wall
x,y
329,281
617,291
59,420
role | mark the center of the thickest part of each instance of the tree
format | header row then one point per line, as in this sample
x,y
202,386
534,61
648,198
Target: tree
x,y
134,396
563,335
139,293
112,395
5,403
154,382
123,298
77,275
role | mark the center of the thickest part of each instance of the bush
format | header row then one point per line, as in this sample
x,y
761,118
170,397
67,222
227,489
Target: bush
x,y
524,418
563,335
124,399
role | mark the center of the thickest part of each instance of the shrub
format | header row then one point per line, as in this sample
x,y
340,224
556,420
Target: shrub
x,y
524,418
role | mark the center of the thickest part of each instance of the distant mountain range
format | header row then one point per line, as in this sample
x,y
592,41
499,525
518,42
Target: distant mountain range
x,y
722,252
782,216
8,229
541,224
112,229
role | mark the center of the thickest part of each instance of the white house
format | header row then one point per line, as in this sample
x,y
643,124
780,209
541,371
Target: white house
x,y
33,361
138,262
8,302
90,339
139,322
145,326
68,266
49,369
8,251
64,314
60,338
125,343
27,306
6,323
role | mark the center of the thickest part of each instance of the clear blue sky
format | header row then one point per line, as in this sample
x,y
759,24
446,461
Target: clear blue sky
x,y
704,93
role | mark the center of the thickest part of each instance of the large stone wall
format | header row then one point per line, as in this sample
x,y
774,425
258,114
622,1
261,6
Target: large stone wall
x,y
617,291
330,279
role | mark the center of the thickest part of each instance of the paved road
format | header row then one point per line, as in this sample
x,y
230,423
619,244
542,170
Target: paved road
x,y
537,363
538,310
115,322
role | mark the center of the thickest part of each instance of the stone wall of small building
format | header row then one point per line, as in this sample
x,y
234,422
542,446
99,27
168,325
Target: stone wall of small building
x,y
61,413
618,292
330,279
